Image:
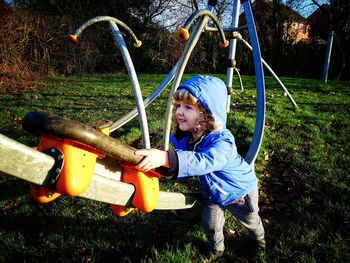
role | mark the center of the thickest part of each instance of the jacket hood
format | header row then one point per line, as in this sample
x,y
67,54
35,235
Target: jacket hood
x,y
211,93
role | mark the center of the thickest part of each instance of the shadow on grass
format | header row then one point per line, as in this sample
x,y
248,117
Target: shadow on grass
x,y
78,230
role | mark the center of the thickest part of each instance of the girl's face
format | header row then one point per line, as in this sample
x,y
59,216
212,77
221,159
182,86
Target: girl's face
x,y
187,116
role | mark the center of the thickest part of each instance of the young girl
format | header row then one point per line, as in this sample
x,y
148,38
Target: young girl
x,y
205,148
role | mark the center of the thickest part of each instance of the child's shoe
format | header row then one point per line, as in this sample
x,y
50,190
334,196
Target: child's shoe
x,y
210,255
258,247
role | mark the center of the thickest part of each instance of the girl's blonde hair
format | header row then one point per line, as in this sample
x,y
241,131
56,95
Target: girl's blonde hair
x,y
206,121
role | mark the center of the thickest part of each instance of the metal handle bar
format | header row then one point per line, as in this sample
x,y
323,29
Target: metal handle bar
x,y
238,36
74,37
132,114
200,25
227,29
260,88
128,64
194,16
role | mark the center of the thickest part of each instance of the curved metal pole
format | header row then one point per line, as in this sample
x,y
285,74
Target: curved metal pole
x,y
132,114
238,36
135,84
129,116
201,13
128,64
260,87
272,73
178,75
240,78
107,19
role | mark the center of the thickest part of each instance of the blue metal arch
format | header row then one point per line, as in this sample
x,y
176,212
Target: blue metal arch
x,y
260,87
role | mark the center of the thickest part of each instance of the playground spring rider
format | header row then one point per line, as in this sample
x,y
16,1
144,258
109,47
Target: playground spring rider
x,y
73,149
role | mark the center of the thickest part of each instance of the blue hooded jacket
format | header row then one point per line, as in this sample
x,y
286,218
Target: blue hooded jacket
x,y
223,174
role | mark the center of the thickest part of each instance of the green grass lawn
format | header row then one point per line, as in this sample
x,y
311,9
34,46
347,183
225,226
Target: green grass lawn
x,y
303,167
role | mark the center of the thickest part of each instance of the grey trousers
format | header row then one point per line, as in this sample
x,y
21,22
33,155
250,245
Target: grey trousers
x,y
246,212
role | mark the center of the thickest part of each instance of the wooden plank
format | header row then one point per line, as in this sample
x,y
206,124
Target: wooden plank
x,y
24,162
33,166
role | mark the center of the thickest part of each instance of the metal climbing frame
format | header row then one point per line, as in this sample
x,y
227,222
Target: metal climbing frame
x,y
197,31
260,85
200,19
113,22
201,25
105,181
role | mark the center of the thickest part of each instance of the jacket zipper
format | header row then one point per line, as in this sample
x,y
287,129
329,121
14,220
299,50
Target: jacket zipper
x,y
196,144
219,189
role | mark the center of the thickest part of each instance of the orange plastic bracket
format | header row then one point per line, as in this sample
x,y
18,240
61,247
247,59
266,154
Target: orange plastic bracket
x,y
146,190
43,194
78,167
121,211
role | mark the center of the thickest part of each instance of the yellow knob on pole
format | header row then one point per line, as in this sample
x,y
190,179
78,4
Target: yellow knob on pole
x,y
138,44
73,39
225,44
182,34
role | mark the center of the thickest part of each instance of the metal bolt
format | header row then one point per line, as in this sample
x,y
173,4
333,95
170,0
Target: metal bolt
x,y
53,150
60,157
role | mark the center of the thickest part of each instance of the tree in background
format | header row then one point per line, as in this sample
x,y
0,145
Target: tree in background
x,y
339,22
33,40
38,31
